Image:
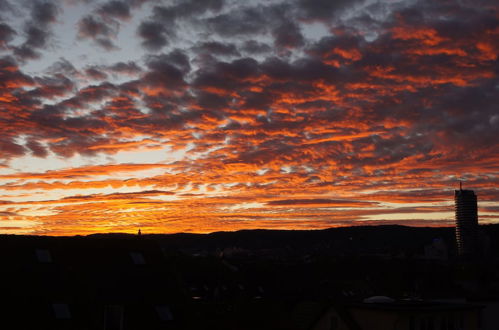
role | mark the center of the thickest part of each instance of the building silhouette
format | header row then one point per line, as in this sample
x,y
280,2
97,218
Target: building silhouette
x,y
380,313
466,222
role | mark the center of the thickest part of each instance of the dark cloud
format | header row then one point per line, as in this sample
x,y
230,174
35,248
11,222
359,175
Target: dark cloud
x,y
74,2
288,35
190,7
227,75
119,196
103,25
6,35
8,214
304,69
115,9
137,3
130,68
254,47
37,30
323,10
165,16
96,93
11,77
177,57
239,22
166,72
35,37
63,66
50,87
217,48
26,53
95,73
210,101
154,35
90,27
338,46
37,149
102,33
105,43
160,28
9,149
163,77
187,8
257,100
130,87
44,13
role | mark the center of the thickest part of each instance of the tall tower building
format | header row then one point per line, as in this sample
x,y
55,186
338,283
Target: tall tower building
x,y
466,222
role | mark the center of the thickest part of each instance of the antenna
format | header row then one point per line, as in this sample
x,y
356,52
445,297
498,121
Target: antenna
x,y
460,185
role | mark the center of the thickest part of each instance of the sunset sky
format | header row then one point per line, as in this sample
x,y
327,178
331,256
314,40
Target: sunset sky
x,y
210,115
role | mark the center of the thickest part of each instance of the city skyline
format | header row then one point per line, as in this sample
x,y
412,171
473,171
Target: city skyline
x,y
202,116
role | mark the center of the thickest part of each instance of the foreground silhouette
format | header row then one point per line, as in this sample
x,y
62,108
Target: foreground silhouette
x,y
247,280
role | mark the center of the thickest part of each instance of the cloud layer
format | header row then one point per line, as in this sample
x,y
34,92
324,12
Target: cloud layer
x,y
218,115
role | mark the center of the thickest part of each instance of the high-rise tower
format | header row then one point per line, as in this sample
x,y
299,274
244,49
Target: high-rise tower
x,y
466,222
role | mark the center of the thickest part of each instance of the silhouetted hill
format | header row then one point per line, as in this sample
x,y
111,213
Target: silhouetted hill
x,y
344,240
385,239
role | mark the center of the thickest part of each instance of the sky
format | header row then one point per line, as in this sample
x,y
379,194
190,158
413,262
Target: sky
x,y
218,115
